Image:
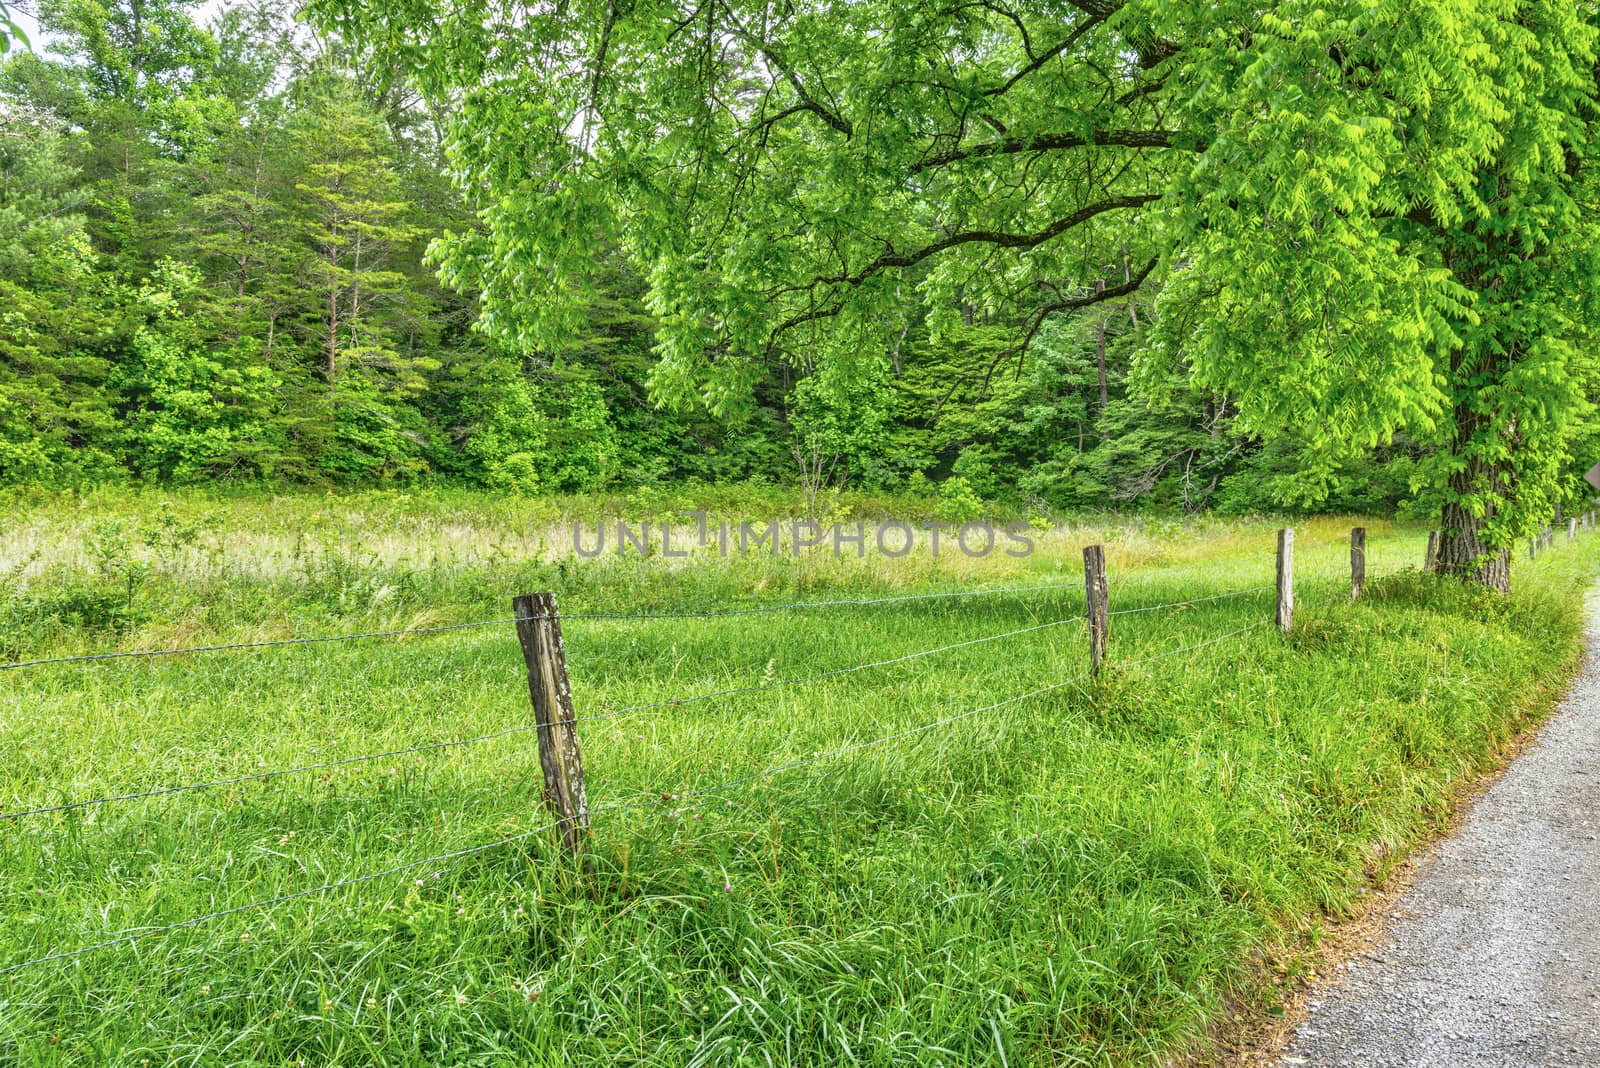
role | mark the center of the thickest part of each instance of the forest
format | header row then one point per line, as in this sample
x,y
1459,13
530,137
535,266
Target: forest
x,y
218,263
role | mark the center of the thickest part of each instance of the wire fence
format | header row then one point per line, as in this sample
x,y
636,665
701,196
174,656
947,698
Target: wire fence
x,y
527,727
655,798
791,606
1071,586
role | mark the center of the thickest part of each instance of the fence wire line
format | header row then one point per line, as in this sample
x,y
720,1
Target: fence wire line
x,y
441,858
522,728
196,921
848,602
1192,601
858,746
131,654
853,602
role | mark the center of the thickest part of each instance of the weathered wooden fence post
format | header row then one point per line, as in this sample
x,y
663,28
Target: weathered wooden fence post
x,y
539,630
1285,579
1358,562
1533,548
1430,559
1099,602
1572,529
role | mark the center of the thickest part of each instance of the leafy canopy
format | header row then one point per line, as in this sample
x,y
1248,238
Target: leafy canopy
x,y
777,167
1330,200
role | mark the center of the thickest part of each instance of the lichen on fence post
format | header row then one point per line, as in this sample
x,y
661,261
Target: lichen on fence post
x,y
1358,561
1098,598
539,630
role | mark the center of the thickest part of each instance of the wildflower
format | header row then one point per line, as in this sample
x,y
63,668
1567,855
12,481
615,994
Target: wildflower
x,y
205,991
461,999
461,912
372,1003
727,888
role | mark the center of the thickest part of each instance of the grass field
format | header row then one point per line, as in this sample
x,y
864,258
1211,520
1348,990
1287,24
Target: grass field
x,y
1089,875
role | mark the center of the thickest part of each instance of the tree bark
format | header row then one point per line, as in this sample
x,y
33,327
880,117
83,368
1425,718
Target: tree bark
x,y
333,333
1462,551
1100,348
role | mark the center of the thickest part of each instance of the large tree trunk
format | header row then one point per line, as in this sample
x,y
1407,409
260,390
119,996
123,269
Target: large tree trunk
x,y
1462,551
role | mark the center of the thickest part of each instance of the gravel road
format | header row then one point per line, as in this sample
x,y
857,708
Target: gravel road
x,y
1492,957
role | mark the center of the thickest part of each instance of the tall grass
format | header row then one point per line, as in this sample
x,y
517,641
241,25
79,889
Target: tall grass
x,y
1084,876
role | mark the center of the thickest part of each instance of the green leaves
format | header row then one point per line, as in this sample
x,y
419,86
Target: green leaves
x,y
10,31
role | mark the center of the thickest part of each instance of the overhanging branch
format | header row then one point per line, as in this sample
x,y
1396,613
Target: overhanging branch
x,y
997,238
1043,315
1052,143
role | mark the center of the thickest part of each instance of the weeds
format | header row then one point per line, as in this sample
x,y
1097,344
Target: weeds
x,y
1081,878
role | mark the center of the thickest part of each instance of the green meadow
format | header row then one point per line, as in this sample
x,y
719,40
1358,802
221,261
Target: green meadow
x,y
978,855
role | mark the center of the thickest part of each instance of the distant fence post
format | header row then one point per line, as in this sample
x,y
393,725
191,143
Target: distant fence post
x,y
1430,559
1572,529
1533,548
1358,562
539,630
1098,596
1285,578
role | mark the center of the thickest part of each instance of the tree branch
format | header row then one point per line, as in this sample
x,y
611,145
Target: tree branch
x,y
1067,304
1038,61
998,238
1052,143
807,102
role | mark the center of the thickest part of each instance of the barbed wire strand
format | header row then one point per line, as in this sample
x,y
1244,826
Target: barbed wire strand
x,y
196,921
856,747
848,602
523,728
1191,601
852,602
707,614
296,895
135,653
